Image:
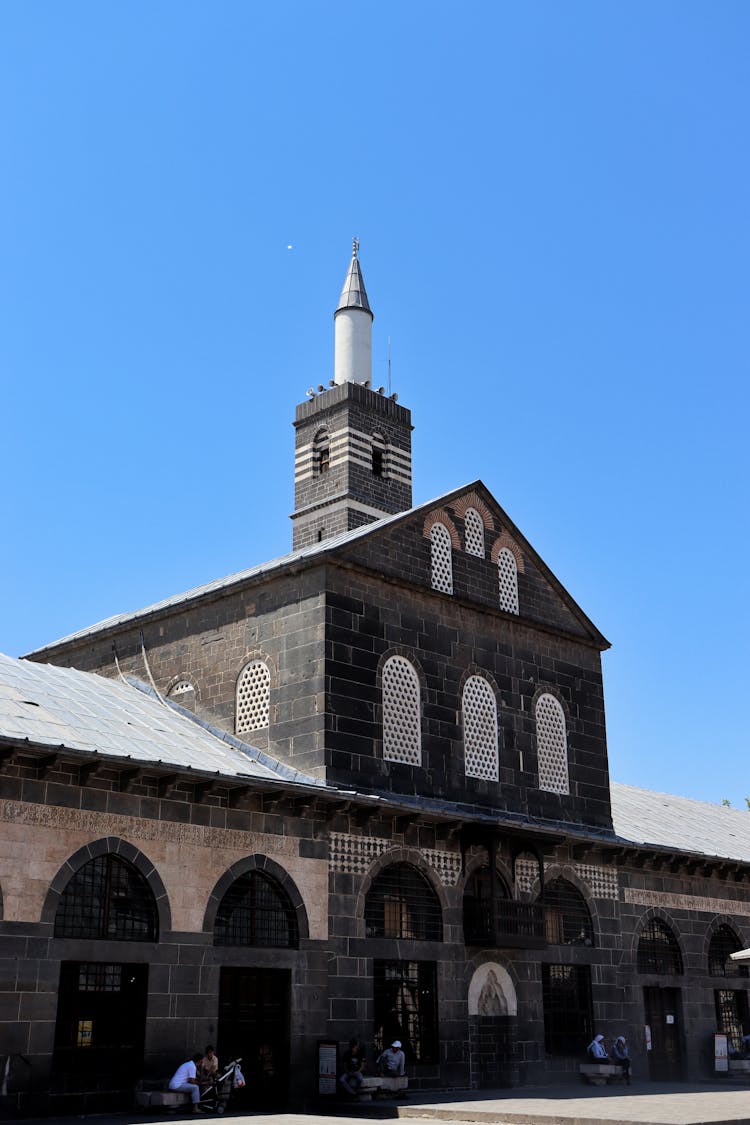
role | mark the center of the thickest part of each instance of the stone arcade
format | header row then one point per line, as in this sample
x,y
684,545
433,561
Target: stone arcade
x,y
359,790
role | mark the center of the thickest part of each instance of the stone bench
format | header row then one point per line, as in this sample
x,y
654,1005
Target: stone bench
x,y
160,1098
599,1074
381,1087
739,1066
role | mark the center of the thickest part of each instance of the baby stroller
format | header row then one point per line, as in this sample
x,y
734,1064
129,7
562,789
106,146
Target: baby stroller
x,y
215,1097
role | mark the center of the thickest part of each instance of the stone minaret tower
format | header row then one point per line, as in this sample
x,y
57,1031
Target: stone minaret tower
x,y
353,444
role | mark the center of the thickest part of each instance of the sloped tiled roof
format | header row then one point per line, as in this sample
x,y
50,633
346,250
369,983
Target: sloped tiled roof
x,y
660,820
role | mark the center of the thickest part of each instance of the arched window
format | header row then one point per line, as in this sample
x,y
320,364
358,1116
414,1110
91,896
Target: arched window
x,y
658,951
480,899
552,745
442,558
474,533
183,693
402,734
321,452
480,729
378,455
724,942
567,918
256,910
253,697
507,577
402,904
107,900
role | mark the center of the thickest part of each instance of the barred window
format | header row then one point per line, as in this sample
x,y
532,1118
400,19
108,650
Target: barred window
x,y
442,558
567,917
257,911
402,731
480,729
724,942
552,745
253,697
474,533
568,1017
731,1015
321,452
405,1004
107,899
507,577
658,951
402,904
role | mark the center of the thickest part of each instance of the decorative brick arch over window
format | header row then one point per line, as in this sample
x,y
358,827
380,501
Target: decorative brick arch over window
x,y
479,708
474,533
253,706
552,745
507,580
402,733
441,558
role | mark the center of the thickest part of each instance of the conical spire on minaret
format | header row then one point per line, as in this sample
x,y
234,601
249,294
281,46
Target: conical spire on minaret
x,y
353,328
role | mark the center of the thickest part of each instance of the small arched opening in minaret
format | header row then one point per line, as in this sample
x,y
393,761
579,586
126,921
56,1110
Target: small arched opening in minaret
x,y
378,455
321,452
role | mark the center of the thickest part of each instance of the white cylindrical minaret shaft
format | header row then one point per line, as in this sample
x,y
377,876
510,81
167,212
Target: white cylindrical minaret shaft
x,y
353,329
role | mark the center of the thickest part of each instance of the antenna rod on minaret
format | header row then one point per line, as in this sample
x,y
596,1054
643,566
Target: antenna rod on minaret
x,y
389,365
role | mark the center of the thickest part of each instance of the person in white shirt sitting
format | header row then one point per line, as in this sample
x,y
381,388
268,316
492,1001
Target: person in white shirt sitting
x,y
185,1080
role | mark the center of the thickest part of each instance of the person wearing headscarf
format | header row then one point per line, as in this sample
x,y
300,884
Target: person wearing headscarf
x,y
621,1056
597,1050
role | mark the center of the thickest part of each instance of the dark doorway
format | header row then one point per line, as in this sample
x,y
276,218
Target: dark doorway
x,y
254,1026
99,1034
662,1014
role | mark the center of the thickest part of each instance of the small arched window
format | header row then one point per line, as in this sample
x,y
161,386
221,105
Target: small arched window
x,y
552,745
256,910
107,900
402,904
441,558
321,452
183,693
567,917
507,577
474,533
724,942
378,455
253,697
402,733
658,951
479,708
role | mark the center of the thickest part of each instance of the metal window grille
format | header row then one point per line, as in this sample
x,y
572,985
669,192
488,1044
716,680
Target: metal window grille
x,y
474,533
402,904
402,734
724,941
551,745
731,1015
658,951
566,915
442,558
568,1017
480,729
253,697
507,577
256,911
405,1004
98,977
107,899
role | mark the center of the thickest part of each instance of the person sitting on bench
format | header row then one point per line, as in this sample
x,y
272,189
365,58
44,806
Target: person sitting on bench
x,y
185,1080
597,1050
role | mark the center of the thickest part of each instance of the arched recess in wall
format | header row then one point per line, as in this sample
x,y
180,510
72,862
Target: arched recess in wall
x,y
722,943
401,903
492,992
253,697
658,951
321,452
108,890
567,917
256,903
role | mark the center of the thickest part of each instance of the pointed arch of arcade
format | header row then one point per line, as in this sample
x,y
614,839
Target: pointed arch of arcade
x,y
656,919
273,871
114,846
722,938
392,857
563,873
569,918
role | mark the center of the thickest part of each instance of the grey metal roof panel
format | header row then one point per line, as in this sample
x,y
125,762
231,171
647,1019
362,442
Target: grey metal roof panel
x,y
353,293
661,820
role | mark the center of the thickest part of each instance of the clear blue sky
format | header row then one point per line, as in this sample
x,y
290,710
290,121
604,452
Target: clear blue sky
x,y
552,200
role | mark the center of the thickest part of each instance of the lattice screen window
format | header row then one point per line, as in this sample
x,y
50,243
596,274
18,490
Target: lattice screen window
x,y
552,745
474,532
402,735
183,693
253,697
480,729
442,559
507,577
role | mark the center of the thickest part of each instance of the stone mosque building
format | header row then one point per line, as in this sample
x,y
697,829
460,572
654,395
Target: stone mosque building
x,y
361,789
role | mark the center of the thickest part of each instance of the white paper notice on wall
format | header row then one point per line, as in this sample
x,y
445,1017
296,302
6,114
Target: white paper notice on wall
x,y
721,1053
670,1018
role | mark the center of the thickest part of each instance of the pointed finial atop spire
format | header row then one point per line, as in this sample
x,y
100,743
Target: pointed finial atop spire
x,y
355,247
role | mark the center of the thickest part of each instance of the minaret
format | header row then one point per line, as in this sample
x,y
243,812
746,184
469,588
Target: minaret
x,y
353,444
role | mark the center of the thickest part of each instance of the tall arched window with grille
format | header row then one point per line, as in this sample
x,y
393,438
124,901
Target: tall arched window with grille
x,y
441,558
256,910
551,745
658,950
507,578
402,728
566,915
474,533
724,942
107,900
401,903
479,708
253,705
